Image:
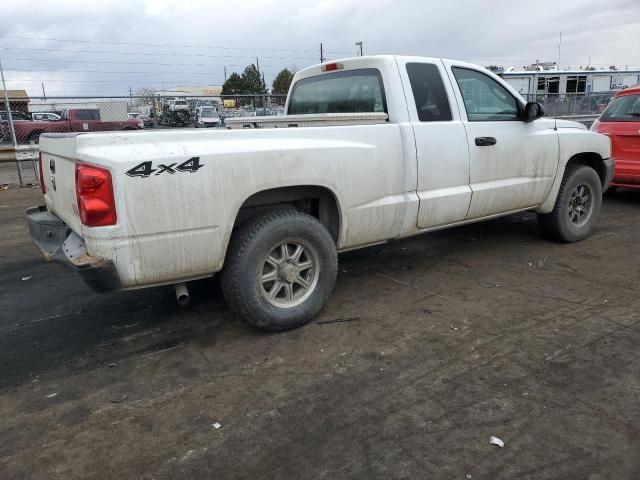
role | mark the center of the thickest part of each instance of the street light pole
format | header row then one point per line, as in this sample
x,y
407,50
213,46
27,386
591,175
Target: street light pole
x,y
359,44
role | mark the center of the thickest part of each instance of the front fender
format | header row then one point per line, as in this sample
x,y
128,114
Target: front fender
x,y
576,145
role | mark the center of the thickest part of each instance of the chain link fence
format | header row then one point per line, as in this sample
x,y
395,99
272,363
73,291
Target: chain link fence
x,y
32,116
36,115
568,105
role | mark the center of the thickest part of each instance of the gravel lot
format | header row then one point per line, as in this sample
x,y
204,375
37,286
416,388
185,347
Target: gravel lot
x,y
427,348
9,173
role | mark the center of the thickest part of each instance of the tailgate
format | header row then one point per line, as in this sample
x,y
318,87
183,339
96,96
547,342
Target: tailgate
x,y
58,171
625,138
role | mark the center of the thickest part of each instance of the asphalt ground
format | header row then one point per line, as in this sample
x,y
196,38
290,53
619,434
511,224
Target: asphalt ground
x,y
427,348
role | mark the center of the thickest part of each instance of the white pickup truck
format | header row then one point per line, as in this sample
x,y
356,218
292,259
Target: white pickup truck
x,y
377,148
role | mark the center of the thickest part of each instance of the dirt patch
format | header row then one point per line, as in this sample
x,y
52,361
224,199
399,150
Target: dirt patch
x,y
427,348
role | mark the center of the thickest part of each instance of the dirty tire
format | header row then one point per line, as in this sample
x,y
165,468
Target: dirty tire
x,y
251,253
558,224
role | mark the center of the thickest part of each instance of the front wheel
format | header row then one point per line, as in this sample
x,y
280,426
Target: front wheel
x,y
577,206
280,270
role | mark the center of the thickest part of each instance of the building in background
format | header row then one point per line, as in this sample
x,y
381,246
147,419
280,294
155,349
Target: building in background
x,y
548,80
193,91
18,100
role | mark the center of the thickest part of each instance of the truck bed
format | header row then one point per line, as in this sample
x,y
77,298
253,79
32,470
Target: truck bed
x,y
309,120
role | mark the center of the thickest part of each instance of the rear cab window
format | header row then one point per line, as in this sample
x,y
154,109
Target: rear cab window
x,y
429,94
625,108
349,91
87,115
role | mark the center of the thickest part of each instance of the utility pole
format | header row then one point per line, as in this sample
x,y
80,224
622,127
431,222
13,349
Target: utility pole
x,y
130,97
359,44
225,74
44,94
559,50
257,65
10,119
322,59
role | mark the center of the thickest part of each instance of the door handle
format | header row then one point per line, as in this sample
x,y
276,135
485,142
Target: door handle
x,y
485,141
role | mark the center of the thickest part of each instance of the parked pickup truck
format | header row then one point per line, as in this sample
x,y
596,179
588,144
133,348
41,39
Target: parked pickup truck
x,y
73,120
385,147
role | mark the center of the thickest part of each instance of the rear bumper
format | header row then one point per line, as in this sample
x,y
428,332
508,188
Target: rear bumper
x,y
627,173
58,243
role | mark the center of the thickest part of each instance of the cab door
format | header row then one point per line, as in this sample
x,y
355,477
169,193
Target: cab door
x,y
441,144
512,162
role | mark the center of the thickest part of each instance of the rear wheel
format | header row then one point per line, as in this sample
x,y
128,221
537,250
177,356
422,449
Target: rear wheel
x,y
577,205
280,270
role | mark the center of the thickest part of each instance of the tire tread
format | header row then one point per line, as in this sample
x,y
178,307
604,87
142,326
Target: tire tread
x,y
551,223
238,248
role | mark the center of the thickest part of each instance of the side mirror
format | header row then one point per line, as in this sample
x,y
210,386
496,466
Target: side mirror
x,y
533,111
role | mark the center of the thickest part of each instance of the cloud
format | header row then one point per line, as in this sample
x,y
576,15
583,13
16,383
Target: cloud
x,y
159,43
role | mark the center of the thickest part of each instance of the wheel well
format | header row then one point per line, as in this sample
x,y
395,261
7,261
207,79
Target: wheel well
x,y
592,160
316,201
35,134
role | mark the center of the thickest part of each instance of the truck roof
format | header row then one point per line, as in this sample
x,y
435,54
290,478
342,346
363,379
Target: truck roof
x,y
370,61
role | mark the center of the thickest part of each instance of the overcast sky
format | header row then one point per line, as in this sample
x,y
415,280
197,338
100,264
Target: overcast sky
x,y
105,46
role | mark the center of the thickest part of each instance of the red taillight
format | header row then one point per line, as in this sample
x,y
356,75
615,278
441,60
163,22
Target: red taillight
x,y
330,67
43,188
94,192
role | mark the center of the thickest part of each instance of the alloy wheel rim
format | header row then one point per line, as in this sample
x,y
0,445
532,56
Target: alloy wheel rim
x,y
289,273
580,205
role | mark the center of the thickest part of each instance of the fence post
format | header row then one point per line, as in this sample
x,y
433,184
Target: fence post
x,y
264,105
10,122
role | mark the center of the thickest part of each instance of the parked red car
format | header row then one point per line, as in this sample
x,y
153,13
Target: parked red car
x,y
73,120
621,122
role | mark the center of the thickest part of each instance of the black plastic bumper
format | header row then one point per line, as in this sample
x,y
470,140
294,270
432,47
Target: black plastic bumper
x,y
609,166
60,244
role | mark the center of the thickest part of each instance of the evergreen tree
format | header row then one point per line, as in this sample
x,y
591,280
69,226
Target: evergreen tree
x,y
234,85
282,82
252,80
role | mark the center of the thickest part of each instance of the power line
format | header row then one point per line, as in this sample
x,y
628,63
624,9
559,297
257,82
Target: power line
x,y
148,54
153,44
167,45
118,72
64,80
114,63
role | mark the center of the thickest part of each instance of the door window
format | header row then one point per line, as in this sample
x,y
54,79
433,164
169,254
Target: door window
x,y
485,100
429,94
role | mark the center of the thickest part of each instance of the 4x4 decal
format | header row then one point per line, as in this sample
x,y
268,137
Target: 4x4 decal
x,y
146,169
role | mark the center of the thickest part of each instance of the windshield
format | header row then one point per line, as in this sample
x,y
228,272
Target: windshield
x,y
341,92
209,112
623,109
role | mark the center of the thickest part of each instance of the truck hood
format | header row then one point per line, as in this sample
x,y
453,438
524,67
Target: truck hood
x,y
561,123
